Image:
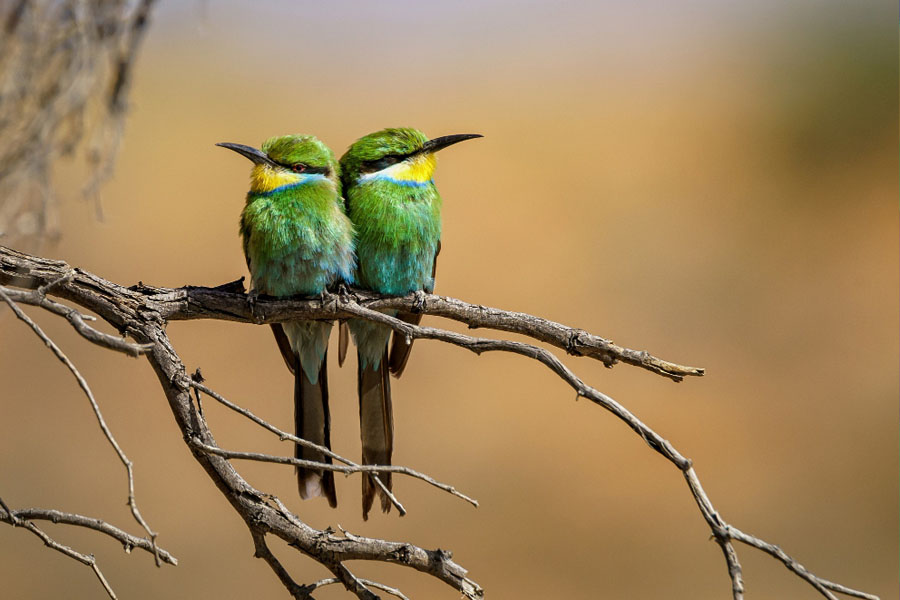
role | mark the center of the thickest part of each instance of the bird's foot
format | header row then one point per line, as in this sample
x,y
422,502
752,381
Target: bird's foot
x,y
252,298
419,302
347,293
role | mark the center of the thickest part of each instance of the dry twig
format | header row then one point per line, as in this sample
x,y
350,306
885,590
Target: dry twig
x,y
351,467
83,384
128,541
11,517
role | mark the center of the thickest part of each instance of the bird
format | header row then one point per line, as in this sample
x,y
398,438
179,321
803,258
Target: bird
x,y
298,240
396,210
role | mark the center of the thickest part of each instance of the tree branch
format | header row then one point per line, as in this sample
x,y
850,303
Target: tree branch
x,y
12,518
54,516
38,298
83,384
354,468
142,311
311,464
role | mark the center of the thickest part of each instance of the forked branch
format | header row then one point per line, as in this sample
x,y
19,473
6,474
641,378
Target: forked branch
x,y
142,312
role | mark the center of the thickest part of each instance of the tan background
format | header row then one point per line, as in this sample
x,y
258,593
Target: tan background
x,y
713,182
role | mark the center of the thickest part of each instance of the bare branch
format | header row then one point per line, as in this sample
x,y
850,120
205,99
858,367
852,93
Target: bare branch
x,y
576,342
142,311
305,591
82,383
54,516
84,559
352,467
263,552
822,586
222,302
374,584
311,464
197,302
283,435
38,298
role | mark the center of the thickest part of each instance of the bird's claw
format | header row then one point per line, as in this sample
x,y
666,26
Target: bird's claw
x,y
348,293
419,302
252,298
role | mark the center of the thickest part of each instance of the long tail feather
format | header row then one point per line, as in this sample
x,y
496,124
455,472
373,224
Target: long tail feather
x,y
401,346
376,424
343,342
313,422
284,346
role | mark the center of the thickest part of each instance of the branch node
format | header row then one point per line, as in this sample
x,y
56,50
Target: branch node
x,y
573,341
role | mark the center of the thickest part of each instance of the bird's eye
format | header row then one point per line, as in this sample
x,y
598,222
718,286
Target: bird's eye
x,y
298,168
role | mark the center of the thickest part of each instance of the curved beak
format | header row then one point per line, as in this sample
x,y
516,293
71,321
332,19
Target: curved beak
x,y
439,143
257,156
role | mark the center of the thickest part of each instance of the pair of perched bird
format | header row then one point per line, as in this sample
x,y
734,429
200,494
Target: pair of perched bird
x,y
301,235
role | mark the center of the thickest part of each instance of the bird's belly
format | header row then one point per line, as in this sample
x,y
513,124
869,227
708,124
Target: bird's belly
x,y
292,272
399,271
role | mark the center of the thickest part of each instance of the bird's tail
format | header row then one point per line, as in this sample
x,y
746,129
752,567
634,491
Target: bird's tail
x,y
313,422
376,425
401,345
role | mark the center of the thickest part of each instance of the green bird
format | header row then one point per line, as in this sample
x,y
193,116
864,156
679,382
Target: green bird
x,y
298,241
396,210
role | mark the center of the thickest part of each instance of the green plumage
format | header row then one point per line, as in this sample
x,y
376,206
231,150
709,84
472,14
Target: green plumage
x,y
396,210
298,241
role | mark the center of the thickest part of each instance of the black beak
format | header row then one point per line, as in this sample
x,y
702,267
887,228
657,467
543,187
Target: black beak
x,y
257,156
439,143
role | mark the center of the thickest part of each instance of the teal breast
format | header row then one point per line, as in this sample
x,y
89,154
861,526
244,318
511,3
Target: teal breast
x,y
398,238
294,248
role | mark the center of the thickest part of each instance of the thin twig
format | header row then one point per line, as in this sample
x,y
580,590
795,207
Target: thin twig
x,y
84,559
83,384
37,298
374,584
283,435
822,586
55,516
312,464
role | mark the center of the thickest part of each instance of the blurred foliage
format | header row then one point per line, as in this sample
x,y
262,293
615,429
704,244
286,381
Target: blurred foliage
x,y
64,76
837,77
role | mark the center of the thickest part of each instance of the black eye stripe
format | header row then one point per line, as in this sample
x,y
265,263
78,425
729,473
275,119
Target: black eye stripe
x,y
305,168
382,163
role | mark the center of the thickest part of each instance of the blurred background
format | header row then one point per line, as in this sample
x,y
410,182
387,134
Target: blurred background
x,y
715,182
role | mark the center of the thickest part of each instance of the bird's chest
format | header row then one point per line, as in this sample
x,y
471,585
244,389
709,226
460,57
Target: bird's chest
x,y
288,251
396,249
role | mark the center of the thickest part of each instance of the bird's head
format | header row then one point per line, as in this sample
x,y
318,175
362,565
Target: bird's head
x,y
288,161
400,154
